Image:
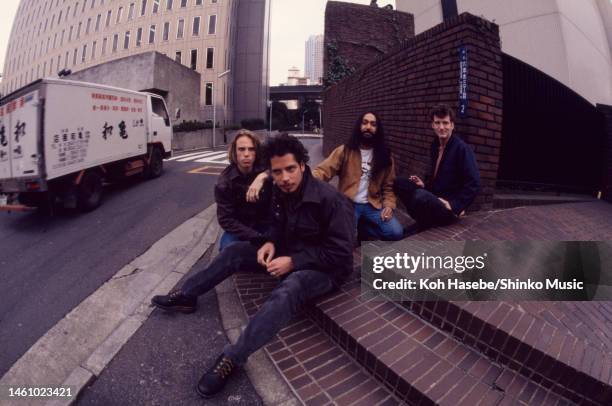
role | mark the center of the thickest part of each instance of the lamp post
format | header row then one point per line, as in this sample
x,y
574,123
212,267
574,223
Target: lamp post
x,y
270,105
214,96
303,114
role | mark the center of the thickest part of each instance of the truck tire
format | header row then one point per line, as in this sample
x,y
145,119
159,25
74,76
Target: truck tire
x,y
89,191
156,165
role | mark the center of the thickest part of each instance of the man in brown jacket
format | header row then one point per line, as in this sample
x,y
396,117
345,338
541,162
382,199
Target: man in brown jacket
x,y
366,173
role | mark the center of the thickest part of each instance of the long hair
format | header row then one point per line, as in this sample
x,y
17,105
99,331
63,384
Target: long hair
x,y
381,159
231,150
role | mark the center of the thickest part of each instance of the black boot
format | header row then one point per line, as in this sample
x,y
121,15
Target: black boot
x,y
176,301
215,378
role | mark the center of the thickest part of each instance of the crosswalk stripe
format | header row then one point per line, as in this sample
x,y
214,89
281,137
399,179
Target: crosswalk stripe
x,y
201,155
212,158
191,155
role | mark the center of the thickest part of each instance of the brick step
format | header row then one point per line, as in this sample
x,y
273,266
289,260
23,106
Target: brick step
x,y
419,363
543,341
508,201
318,371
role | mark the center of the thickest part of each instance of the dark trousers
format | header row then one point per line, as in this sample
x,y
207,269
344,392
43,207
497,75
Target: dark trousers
x,y
295,290
423,206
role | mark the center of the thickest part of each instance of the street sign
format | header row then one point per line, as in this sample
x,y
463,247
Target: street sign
x,y
463,82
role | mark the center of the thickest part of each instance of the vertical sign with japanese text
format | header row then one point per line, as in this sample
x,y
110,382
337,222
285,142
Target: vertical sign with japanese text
x,y
463,81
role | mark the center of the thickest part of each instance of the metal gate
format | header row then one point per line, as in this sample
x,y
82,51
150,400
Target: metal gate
x,y
552,138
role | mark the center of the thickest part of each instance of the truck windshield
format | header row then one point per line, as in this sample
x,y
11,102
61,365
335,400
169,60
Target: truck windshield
x,y
159,109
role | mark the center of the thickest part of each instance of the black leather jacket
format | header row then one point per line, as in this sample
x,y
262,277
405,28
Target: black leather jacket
x,y
234,213
315,226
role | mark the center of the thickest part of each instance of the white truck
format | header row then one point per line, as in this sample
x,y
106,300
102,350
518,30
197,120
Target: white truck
x,y
60,140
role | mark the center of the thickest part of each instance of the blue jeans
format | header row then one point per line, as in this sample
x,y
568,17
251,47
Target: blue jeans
x,y
390,230
228,238
294,291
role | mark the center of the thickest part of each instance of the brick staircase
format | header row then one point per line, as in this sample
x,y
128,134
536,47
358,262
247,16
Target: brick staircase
x,y
352,349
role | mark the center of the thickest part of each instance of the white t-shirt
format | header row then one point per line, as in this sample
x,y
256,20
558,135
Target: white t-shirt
x,y
364,181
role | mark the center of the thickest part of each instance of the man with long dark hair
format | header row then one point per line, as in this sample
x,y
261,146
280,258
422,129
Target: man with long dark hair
x,y
366,173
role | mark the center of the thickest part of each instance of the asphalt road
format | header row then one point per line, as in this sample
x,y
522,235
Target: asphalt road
x,y
163,361
48,265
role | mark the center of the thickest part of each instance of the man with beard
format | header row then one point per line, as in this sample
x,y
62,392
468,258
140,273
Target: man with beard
x,y
454,180
308,248
366,173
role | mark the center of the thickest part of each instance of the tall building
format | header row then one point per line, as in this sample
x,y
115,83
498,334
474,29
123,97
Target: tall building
x,y
211,37
314,59
568,40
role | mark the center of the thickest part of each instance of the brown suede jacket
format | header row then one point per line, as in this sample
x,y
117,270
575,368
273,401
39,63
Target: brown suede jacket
x,y
348,169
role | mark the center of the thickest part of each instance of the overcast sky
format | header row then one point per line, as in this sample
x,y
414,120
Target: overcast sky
x,y
293,21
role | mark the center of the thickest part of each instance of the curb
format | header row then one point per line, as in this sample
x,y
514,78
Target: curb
x,y
78,347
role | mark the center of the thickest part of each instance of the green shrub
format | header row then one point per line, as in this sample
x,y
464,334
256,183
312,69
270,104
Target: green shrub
x,y
191,126
253,124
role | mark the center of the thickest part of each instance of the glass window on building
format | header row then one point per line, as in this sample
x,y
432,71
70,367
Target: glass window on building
x,y
196,26
131,11
139,36
84,53
210,56
98,22
143,8
70,33
88,26
65,59
108,17
155,6
194,59
83,8
183,3
74,56
74,12
152,34
166,31
168,4
178,56
79,31
93,50
198,2
104,41
180,29
212,24
115,41
126,40
93,3
119,13
208,94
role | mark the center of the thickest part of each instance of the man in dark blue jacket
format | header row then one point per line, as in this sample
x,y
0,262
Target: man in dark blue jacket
x,y
454,180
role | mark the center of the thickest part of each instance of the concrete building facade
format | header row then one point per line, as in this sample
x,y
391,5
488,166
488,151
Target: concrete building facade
x,y
568,40
314,59
211,37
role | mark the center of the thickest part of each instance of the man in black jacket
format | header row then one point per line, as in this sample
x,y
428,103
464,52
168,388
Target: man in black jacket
x,y
454,180
309,248
241,196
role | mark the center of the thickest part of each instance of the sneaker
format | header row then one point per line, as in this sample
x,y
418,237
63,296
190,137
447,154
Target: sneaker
x,y
215,378
176,301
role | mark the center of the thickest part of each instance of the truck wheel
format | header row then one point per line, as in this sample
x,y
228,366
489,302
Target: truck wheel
x,y
156,165
89,191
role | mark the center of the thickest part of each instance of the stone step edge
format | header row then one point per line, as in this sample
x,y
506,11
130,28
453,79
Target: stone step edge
x,y
524,350
415,391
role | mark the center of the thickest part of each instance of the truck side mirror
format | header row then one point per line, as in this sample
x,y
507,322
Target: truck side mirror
x,y
177,113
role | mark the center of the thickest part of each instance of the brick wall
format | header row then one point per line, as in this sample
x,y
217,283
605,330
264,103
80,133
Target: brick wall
x,y
363,33
404,84
607,178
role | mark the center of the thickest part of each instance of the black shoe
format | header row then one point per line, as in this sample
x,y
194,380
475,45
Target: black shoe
x,y
215,378
176,301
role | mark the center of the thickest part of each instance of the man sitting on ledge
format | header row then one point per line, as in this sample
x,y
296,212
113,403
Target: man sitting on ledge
x,y
454,181
309,248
